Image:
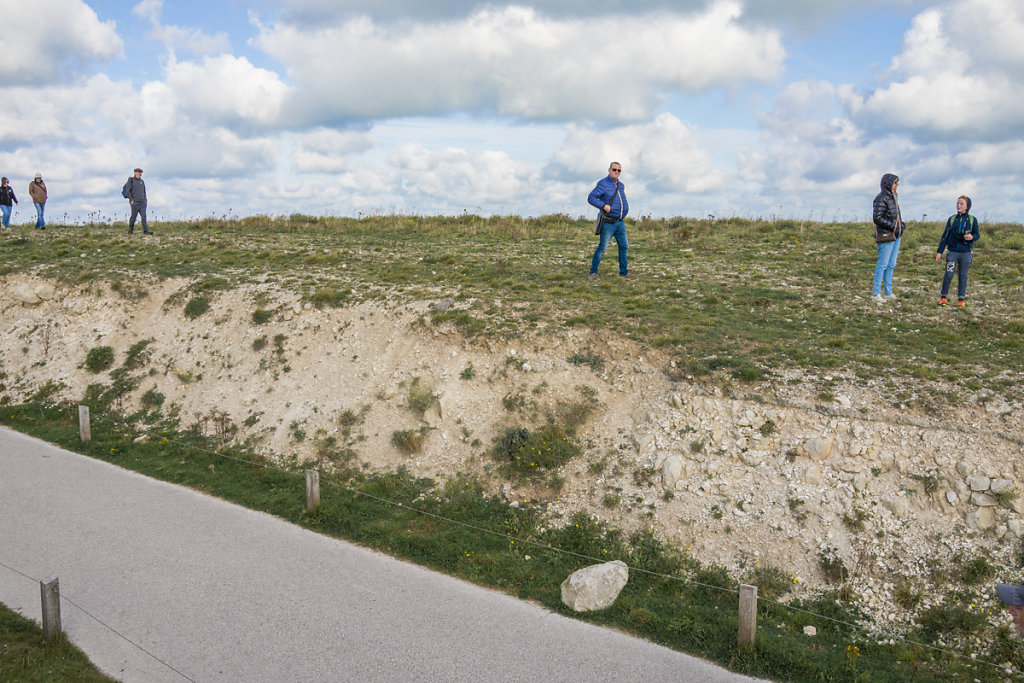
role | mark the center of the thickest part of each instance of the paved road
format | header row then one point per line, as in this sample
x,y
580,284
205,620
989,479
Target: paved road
x,y
222,593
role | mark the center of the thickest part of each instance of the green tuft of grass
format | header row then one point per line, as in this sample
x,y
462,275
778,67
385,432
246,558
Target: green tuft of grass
x,y
196,306
408,441
523,452
261,316
99,358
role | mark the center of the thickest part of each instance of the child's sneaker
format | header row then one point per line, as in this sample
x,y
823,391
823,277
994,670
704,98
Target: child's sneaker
x,y
959,302
942,301
877,298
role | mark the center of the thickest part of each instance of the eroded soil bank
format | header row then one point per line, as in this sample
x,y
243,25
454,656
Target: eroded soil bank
x,y
746,476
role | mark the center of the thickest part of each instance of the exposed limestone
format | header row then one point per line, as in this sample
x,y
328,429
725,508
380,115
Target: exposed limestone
x,y
704,467
817,448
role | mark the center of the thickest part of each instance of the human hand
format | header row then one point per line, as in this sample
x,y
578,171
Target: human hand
x,y
968,237
607,208
938,256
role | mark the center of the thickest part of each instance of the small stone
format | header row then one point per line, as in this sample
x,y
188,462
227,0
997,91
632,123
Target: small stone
x,y
817,449
810,631
982,500
979,483
981,519
897,505
812,474
1003,486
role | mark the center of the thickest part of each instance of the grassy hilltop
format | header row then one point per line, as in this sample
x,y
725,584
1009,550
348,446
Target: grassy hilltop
x,y
736,297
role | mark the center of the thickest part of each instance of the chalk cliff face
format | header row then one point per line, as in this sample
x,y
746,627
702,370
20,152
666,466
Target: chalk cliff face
x,y
771,475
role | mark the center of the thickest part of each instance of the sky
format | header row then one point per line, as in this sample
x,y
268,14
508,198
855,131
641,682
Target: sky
x,y
732,108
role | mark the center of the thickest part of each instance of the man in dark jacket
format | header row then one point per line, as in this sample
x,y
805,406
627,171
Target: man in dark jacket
x,y
889,227
609,196
135,190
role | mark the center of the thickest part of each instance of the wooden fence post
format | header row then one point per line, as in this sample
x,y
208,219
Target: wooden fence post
x,y
748,615
84,431
49,591
312,490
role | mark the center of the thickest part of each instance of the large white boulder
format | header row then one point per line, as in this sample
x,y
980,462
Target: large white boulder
x,y
595,587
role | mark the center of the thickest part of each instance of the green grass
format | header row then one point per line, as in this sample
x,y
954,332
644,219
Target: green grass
x,y
692,616
737,298
25,656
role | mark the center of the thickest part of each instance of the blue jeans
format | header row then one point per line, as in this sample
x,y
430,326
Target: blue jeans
x,y
7,216
960,261
40,223
618,231
887,253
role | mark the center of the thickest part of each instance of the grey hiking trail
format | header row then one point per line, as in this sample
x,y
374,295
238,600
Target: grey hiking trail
x,y
222,593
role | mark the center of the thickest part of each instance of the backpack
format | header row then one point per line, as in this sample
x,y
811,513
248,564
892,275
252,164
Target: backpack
x,y
124,190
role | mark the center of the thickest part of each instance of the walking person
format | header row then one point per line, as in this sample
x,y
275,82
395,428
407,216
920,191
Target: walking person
x,y
889,227
609,196
135,191
37,190
6,197
958,238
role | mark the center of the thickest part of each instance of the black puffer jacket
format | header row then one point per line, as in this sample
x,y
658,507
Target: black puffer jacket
x,y
886,210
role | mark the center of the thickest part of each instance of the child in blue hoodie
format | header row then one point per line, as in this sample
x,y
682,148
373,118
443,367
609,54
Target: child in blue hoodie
x,y
959,237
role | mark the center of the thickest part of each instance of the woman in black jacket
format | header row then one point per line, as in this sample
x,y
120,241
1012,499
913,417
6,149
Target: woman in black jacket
x,y
6,197
889,227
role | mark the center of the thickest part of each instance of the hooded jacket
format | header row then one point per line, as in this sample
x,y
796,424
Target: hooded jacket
x,y
957,227
886,210
7,195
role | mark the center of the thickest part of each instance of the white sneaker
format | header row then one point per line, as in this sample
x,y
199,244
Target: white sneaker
x,y
890,297
878,299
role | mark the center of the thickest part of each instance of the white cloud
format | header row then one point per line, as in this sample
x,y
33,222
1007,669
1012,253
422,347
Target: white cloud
x,y
959,75
456,179
327,150
172,37
225,89
43,41
515,62
663,156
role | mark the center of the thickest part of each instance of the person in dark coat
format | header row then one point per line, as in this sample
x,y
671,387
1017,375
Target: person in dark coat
x,y
889,227
6,197
959,238
135,190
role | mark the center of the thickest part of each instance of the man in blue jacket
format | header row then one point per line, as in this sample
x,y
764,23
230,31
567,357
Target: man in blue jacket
x,y
609,196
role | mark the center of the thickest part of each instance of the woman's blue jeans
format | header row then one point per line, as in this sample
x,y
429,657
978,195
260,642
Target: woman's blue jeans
x,y
887,254
618,231
7,215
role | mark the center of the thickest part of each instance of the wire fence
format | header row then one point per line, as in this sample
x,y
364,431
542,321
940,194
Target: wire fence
x,y
867,632
99,621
